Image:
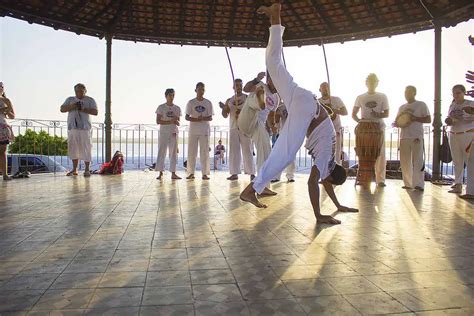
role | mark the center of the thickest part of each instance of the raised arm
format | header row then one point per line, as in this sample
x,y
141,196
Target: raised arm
x,y
252,84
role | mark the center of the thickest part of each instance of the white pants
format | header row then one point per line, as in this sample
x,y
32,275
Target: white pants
x,y
381,163
203,141
263,145
301,110
470,171
458,143
79,144
338,152
167,141
411,162
290,171
240,145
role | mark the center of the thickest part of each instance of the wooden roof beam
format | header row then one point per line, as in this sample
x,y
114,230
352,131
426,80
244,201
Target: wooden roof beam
x,y
232,18
210,21
370,7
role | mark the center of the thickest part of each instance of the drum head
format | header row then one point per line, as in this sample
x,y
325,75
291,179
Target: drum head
x,y
403,120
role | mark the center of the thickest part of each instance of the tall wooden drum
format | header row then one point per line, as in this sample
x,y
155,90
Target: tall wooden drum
x,y
369,140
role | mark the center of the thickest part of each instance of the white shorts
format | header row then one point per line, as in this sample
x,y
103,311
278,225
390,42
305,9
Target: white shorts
x,y
79,144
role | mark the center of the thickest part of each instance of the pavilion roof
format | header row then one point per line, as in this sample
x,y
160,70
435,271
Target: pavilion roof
x,y
235,23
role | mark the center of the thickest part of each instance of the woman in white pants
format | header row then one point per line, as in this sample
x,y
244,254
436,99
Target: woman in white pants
x,y
461,134
167,116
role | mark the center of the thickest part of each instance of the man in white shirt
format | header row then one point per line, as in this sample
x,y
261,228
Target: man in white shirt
x,y
167,116
240,144
305,118
374,107
411,141
338,107
79,108
199,113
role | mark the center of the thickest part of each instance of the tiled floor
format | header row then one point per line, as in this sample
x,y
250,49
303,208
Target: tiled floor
x,y
129,245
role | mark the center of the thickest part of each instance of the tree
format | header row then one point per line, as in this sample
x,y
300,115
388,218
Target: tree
x,y
40,143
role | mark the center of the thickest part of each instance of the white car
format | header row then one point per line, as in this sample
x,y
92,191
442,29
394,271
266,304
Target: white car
x,y
32,163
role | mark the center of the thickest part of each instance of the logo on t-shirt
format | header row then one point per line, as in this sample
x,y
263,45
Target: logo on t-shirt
x,y
200,108
170,114
270,102
371,104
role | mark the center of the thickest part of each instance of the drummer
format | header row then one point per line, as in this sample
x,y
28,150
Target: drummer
x,y
305,117
374,108
410,118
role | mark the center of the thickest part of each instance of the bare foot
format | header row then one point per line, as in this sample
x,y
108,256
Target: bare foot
x,y
326,219
347,209
264,10
248,195
233,177
268,192
174,176
190,177
159,177
204,177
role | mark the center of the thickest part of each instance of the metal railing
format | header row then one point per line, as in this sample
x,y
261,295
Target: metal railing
x,y
139,143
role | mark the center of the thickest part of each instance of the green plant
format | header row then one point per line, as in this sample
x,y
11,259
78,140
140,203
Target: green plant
x,y
42,143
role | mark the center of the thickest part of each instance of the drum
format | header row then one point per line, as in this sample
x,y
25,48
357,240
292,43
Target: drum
x,y
369,140
403,120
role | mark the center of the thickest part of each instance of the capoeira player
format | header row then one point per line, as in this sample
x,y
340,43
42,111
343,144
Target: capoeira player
x,y
167,116
199,113
305,118
239,143
262,99
290,169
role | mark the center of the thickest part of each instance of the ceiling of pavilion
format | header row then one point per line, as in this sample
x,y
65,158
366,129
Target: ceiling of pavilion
x,y
235,23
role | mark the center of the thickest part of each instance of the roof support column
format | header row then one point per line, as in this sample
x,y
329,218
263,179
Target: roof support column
x,y
437,124
108,99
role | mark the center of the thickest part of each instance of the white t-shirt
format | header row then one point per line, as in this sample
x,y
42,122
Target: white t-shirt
x,y
196,109
272,100
168,113
377,102
336,104
321,145
233,109
77,119
415,129
464,121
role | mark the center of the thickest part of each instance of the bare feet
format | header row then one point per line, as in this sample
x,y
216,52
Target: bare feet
x,y
190,177
252,176
204,177
347,209
233,177
268,192
71,173
326,219
264,10
7,178
248,195
174,176
159,177
270,11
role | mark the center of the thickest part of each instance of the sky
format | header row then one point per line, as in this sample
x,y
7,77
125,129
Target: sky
x,y
39,67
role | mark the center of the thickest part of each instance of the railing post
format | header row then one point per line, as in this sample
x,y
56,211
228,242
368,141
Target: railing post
x,y
437,105
108,99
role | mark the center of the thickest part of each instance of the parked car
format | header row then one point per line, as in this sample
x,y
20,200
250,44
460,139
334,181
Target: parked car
x,y
32,164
